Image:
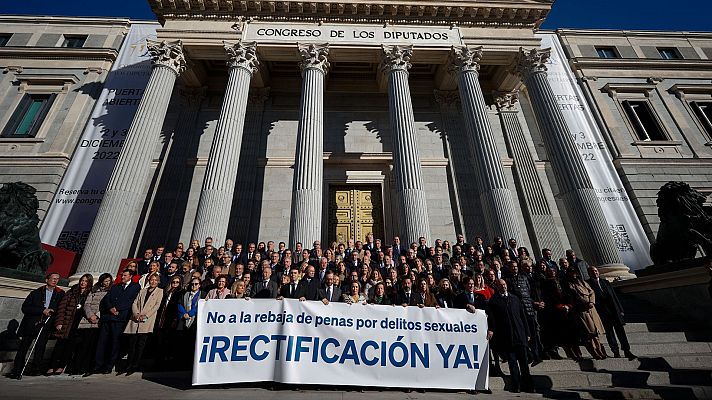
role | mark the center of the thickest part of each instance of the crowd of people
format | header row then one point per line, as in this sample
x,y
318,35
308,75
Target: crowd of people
x,y
535,306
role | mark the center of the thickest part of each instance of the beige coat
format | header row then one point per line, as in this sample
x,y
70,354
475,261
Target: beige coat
x,y
149,309
587,318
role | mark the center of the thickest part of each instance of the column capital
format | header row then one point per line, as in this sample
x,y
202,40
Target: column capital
x,y
242,55
167,54
258,96
532,61
396,58
505,101
464,59
447,98
314,56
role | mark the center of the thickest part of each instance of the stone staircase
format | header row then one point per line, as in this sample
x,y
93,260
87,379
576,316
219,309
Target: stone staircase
x,y
674,362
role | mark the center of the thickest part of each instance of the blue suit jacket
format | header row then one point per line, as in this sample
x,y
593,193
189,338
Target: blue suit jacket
x,y
121,299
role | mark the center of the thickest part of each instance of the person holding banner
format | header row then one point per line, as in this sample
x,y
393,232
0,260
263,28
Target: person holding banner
x,y
331,291
354,296
424,298
220,291
265,288
509,335
379,295
445,297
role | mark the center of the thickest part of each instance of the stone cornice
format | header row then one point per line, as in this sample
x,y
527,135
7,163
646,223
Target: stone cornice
x,y
641,63
523,13
59,53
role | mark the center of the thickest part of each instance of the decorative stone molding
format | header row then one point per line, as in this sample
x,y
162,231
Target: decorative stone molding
x,y
396,58
257,97
655,80
506,101
242,55
314,56
167,54
464,59
447,98
95,70
532,61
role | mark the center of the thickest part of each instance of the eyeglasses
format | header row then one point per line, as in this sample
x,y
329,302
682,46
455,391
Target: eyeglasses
x,y
175,283
195,284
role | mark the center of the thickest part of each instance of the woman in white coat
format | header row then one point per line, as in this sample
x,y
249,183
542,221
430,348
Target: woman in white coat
x,y
143,319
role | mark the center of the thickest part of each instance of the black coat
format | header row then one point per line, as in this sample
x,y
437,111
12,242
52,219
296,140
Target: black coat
x,y
507,320
403,299
309,290
285,290
607,304
32,308
262,291
463,299
335,295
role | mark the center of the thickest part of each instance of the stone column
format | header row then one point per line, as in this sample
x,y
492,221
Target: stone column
x,y
213,214
538,212
575,186
413,208
113,232
307,190
495,197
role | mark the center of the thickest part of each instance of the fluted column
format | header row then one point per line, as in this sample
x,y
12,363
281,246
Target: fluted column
x,y
406,159
495,197
213,214
110,238
309,160
538,212
575,187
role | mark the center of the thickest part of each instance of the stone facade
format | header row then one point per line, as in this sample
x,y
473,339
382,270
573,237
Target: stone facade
x,y
670,87
423,146
33,60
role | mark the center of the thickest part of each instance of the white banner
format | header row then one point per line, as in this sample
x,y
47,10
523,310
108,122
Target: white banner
x,y
625,227
308,342
76,203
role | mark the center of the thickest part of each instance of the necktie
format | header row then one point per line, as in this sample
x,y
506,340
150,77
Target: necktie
x,y
293,289
472,297
328,293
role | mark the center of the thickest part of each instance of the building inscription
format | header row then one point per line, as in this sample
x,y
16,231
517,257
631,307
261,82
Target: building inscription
x,y
352,34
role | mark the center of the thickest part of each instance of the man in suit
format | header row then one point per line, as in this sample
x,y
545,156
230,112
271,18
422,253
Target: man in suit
x,y
353,263
580,264
309,285
115,310
509,335
349,249
611,313
329,292
249,254
422,250
323,269
546,255
147,259
278,269
291,290
369,245
461,242
398,249
440,270
265,287
237,254
406,296
38,310
468,299
512,249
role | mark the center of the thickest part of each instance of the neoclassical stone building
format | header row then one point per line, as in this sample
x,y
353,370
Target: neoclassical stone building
x,y
295,121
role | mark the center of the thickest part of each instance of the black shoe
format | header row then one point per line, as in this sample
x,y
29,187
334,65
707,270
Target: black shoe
x,y
106,372
14,375
536,362
554,355
129,372
515,390
630,355
87,374
616,354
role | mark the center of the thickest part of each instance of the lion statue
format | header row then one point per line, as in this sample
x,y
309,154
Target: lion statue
x,y
20,246
685,223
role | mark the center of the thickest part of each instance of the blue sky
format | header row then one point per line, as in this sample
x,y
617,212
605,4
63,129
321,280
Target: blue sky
x,y
684,15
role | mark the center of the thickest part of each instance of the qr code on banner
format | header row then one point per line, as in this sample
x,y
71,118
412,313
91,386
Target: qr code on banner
x,y
73,240
620,238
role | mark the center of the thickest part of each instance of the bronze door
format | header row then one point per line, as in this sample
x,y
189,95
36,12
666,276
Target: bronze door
x,y
354,212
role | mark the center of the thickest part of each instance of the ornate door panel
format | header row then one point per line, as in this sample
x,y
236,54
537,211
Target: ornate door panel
x,y
354,212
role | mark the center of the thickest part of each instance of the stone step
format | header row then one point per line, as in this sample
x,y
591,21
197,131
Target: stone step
x,y
654,349
601,378
653,392
654,337
661,363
